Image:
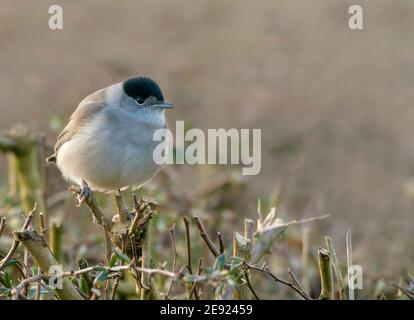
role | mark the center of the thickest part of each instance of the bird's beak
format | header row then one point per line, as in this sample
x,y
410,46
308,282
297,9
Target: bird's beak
x,y
164,105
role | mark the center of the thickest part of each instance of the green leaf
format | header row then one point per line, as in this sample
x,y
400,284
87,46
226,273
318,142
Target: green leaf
x,y
220,262
100,268
122,256
101,277
113,260
83,286
7,280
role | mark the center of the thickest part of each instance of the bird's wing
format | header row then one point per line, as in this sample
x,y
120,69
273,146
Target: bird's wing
x,y
89,106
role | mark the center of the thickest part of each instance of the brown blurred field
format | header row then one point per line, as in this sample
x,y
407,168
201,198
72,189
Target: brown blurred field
x,y
334,105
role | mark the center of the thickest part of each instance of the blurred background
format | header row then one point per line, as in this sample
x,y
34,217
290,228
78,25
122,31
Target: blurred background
x,y
334,105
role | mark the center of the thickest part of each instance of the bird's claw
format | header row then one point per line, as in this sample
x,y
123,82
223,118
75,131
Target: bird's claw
x,y
84,194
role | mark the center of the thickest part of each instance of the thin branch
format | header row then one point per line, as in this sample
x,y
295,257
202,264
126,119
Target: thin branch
x,y
336,268
246,276
171,231
205,236
277,279
16,242
221,243
120,207
157,271
194,288
144,211
188,240
2,225
123,248
42,224
297,283
96,210
26,282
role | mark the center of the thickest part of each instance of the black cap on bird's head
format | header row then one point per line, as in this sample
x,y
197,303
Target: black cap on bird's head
x,y
146,91
142,87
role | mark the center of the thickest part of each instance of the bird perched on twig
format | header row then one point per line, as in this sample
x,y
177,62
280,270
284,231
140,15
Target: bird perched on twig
x,y
108,143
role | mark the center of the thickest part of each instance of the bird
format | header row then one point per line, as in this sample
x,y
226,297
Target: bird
x,y
107,145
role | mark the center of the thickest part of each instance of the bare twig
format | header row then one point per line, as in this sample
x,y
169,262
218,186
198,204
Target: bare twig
x,y
205,236
171,231
42,224
306,258
2,225
117,279
96,210
189,289
277,279
16,242
145,263
221,243
120,207
194,288
336,268
143,213
157,271
188,239
246,276
23,284
297,283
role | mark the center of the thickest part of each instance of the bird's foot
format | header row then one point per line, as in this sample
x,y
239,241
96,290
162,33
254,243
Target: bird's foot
x,y
84,194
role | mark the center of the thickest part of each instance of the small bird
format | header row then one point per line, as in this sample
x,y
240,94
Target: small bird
x,y
108,143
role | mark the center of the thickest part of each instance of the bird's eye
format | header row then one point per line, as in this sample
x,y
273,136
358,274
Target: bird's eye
x,y
139,100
